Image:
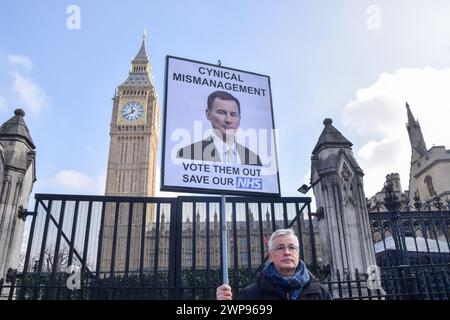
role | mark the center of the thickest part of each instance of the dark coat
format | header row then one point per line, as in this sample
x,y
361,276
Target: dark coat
x,y
264,290
206,150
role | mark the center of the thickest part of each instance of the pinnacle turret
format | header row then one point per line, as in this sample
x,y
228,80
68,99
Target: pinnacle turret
x,y
416,139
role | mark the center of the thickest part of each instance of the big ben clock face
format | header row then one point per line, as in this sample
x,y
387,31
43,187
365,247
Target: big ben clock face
x,y
132,111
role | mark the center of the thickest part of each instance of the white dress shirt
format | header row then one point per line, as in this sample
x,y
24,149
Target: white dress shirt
x,y
228,154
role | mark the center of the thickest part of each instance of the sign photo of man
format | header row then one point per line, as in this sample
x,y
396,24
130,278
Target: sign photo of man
x,y
224,112
218,132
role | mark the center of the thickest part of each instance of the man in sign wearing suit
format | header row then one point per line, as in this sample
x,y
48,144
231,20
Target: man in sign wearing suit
x,y
224,112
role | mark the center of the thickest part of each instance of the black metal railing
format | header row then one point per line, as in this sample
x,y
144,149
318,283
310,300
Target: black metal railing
x,y
412,247
166,248
411,238
101,247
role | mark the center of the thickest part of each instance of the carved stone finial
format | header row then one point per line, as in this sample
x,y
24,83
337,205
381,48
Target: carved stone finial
x,y
19,112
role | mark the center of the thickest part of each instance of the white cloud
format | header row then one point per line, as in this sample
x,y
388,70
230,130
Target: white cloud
x,y
68,181
378,116
30,96
17,86
20,60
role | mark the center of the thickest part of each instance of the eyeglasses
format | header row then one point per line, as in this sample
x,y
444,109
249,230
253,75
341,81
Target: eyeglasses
x,y
291,248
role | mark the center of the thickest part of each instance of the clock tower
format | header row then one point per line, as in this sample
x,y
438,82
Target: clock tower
x,y
131,165
134,133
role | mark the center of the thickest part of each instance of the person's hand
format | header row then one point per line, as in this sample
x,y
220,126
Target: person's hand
x,y
224,292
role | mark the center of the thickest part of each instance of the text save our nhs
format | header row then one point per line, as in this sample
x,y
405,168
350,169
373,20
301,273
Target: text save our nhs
x,y
249,183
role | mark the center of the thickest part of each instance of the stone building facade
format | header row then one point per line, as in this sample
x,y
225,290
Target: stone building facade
x,y
429,175
337,181
17,176
238,253
430,168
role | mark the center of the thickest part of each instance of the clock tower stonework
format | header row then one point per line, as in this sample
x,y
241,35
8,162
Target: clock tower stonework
x,y
134,133
131,166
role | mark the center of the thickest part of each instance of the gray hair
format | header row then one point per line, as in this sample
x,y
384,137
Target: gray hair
x,y
282,232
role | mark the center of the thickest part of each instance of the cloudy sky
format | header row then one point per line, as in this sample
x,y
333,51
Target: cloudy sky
x,y
356,62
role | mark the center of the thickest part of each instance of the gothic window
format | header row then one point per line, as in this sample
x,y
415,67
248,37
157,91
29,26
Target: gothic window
x,y
188,258
131,183
429,182
119,183
123,182
347,185
122,151
137,152
243,258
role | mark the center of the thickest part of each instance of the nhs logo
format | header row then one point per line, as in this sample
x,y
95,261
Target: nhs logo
x,y
249,183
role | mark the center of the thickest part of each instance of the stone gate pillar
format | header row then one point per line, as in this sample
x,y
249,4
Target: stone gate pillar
x,y
17,176
337,180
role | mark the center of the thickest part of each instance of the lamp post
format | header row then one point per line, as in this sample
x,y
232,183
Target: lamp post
x,y
304,188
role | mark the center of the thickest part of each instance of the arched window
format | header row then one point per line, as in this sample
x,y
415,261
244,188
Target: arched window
x,y
429,182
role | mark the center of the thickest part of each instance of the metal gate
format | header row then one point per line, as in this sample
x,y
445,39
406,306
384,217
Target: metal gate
x,y
102,247
99,247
